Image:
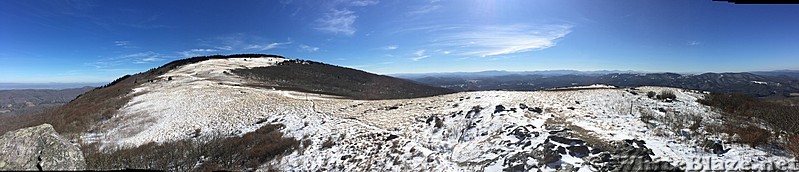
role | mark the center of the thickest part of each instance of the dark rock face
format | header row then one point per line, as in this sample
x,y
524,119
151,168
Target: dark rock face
x,y
39,148
499,109
632,155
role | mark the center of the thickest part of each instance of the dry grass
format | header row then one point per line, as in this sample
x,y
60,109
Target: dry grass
x,y
233,153
13,122
750,135
580,133
793,145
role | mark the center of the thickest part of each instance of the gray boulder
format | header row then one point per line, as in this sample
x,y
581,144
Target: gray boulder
x,y
38,148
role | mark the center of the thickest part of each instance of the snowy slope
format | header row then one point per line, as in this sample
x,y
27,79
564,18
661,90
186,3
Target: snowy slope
x,y
487,130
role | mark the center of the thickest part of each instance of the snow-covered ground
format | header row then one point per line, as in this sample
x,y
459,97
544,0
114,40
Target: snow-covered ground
x,y
468,131
593,86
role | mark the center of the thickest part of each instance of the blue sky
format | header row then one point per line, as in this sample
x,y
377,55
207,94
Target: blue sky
x,y
98,41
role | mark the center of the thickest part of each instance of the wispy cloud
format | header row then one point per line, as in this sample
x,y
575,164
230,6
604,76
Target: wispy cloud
x,y
124,44
239,43
390,47
115,62
423,9
419,55
340,19
144,57
362,3
264,47
487,41
149,59
196,52
338,22
308,48
226,48
692,43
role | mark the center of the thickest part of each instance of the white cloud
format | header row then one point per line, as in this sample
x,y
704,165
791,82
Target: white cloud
x,y
390,47
424,9
338,22
340,19
196,52
112,63
264,47
485,41
144,57
149,59
226,48
121,43
235,43
141,54
419,55
692,43
124,44
363,3
308,48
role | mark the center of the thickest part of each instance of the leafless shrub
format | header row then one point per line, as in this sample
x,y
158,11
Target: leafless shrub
x,y
666,95
646,116
748,134
696,122
651,94
779,115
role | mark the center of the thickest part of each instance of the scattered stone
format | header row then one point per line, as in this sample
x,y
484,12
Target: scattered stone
x,y
499,108
578,151
391,137
522,106
536,110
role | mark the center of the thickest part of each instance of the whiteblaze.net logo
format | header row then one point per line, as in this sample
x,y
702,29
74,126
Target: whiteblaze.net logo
x,y
710,163
723,164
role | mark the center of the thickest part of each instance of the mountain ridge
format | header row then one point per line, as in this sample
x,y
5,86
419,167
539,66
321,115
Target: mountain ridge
x,y
748,83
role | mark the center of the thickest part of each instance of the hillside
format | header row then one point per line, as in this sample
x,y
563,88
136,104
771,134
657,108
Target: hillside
x,y
309,76
266,112
32,101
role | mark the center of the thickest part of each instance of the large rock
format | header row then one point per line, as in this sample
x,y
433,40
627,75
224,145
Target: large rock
x,y
38,148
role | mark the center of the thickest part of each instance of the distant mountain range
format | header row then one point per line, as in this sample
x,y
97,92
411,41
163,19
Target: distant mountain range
x,y
491,73
17,86
762,84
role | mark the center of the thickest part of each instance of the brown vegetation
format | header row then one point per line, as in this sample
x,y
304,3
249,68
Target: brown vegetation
x,y
233,153
781,116
793,145
738,109
749,134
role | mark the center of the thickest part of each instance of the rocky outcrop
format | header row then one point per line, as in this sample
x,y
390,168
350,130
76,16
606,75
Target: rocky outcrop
x,y
39,148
